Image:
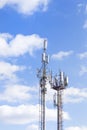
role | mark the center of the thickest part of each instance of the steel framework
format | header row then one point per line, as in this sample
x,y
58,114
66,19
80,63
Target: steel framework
x,y
42,74
59,84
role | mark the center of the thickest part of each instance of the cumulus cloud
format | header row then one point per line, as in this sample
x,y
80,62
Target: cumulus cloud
x,y
24,114
76,128
80,7
70,95
7,70
82,55
32,127
17,93
6,36
27,7
19,45
75,95
61,55
83,70
21,114
85,25
52,115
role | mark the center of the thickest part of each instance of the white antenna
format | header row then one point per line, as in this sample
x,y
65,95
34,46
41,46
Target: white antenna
x,y
44,57
61,77
47,58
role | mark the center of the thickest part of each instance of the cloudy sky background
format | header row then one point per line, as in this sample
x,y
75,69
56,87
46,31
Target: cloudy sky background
x,y
23,27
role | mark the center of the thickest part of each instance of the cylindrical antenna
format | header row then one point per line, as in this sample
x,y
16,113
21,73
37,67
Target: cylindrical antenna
x,y
43,57
61,78
47,59
45,44
66,81
54,99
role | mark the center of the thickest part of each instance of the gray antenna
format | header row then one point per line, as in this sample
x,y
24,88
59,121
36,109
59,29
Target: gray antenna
x,y
54,99
45,44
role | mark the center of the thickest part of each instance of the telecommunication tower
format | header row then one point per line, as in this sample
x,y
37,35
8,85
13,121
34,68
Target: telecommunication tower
x,y
59,83
43,76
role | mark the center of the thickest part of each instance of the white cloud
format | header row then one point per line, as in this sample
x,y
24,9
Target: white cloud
x,y
32,127
19,45
7,70
21,93
85,12
51,115
21,114
83,70
83,55
86,8
70,95
6,36
17,93
75,95
62,54
24,114
85,25
80,7
50,92
76,128
27,7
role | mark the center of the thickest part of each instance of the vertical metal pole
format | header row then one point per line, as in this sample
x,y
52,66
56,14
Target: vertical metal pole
x,y
44,109
59,85
41,109
61,121
42,74
44,91
57,109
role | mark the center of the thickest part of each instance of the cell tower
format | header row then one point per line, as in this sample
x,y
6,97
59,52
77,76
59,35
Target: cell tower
x,y
43,76
59,83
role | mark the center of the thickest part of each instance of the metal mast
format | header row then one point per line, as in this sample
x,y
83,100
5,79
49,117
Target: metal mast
x,y
59,83
42,74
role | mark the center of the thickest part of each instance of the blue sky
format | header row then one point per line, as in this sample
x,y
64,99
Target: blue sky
x,y
23,27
